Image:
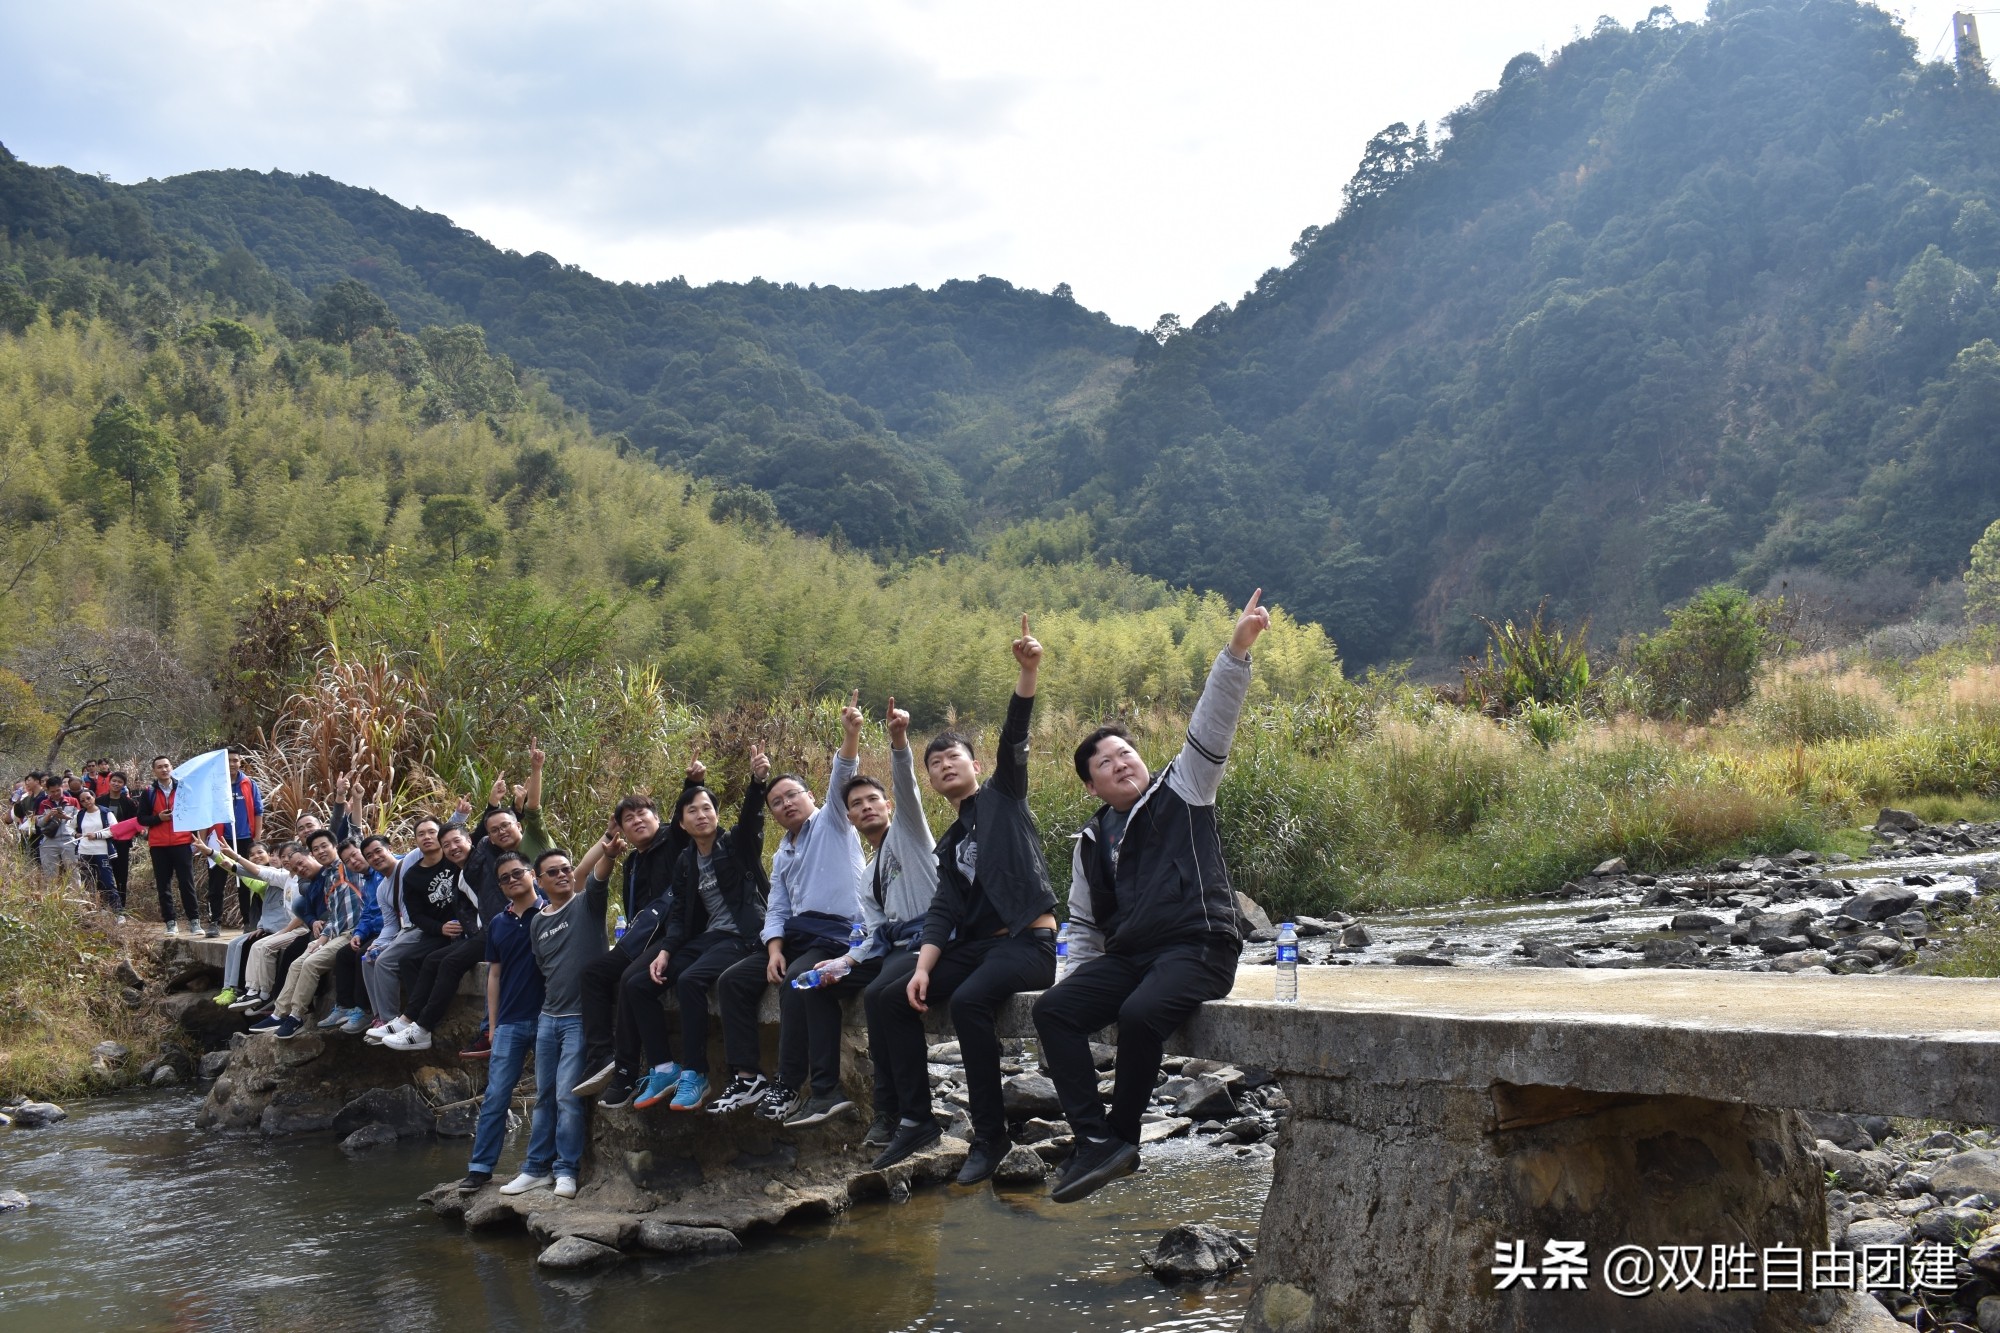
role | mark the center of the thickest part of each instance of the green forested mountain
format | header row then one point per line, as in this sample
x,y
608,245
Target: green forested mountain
x,y
1684,302
873,412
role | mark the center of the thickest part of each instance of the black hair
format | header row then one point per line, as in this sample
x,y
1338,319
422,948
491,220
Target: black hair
x,y
122,778
686,798
506,857
289,846
631,804
486,820
346,844
1088,749
553,851
428,819
946,740
373,838
860,780
322,832
158,757
776,778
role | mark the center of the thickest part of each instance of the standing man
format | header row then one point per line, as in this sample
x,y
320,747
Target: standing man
x,y
809,918
567,935
1152,914
513,1007
172,850
990,932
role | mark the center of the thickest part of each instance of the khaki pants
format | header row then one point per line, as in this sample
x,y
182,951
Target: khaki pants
x,y
303,983
262,973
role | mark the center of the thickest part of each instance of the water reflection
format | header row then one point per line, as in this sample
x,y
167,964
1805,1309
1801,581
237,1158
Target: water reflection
x,y
141,1223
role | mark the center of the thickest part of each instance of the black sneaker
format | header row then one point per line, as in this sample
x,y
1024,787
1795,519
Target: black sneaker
x,y
820,1106
475,1181
620,1093
741,1092
879,1133
982,1161
1096,1163
779,1103
907,1141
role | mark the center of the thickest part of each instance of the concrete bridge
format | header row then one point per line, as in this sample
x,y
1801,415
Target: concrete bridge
x,y
1440,1113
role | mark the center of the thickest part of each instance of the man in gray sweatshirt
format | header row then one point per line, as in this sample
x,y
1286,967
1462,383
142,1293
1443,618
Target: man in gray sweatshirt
x,y
809,918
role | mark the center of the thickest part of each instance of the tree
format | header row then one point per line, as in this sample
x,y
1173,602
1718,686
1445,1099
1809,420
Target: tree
x,y
1706,657
1982,581
90,682
1391,155
125,442
459,521
347,309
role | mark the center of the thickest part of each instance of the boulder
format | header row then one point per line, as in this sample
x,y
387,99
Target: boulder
x,y
1694,921
367,1137
1253,916
574,1253
1984,1255
1897,821
401,1109
460,1120
12,1201
1206,1098
1021,1166
1966,1173
1038,1130
212,1064
657,1237
1877,1231
1026,1095
1842,1130
1866,1172
1197,1252
1605,869
1355,936
1878,904
441,1087
1153,1131
110,1053
166,1076
33,1115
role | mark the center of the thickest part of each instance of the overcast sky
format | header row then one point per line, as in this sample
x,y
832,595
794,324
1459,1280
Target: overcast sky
x,y
1156,156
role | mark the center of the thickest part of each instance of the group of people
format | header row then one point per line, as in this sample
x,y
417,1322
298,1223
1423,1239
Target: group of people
x,y
82,826
859,898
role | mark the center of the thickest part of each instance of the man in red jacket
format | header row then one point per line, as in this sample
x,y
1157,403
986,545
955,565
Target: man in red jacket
x,y
172,852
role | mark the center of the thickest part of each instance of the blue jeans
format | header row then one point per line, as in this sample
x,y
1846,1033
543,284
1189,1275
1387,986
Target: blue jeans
x,y
511,1045
559,1129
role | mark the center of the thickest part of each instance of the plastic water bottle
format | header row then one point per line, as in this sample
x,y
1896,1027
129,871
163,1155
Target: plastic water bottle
x,y
824,975
1062,951
618,926
857,937
1288,963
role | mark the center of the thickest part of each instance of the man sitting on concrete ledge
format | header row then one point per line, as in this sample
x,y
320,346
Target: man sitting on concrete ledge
x,y
1151,912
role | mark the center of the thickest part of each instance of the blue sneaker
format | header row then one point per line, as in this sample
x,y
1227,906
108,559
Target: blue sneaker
x,y
692,1092
265,1024
655,1087
357,1021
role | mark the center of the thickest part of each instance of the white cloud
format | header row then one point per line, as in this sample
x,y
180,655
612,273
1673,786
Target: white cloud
x,y
1157,156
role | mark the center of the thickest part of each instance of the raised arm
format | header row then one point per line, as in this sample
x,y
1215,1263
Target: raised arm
x,y
1010,767
903,776
1196,773
846,762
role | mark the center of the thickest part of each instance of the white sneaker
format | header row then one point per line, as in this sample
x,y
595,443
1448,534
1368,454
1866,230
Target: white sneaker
x,y
565,1187
173,928
399,1024
412,1038
524,1182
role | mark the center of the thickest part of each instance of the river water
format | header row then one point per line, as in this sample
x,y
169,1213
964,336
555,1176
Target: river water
x,y
141,1222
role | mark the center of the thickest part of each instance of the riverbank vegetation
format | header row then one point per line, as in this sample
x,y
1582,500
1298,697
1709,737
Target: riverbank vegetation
x,y
59,990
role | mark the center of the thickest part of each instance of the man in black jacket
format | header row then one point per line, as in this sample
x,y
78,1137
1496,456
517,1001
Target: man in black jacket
x,y
644,895
1151,914
715,915
991,929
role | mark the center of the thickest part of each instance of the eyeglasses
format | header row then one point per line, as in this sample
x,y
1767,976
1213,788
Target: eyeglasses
x,y
558,872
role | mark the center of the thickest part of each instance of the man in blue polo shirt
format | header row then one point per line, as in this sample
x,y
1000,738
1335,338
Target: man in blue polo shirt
x,y
513,1009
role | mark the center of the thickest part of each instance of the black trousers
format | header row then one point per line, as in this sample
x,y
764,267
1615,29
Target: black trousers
x,y
411,965
742,992
438,977
602,978
121,865
220,877
692,970
347,977
821,1011
175,864
889,987
974,977
1148,995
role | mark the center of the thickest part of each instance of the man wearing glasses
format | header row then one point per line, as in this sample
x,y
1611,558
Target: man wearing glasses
x,y
514,992
567,936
